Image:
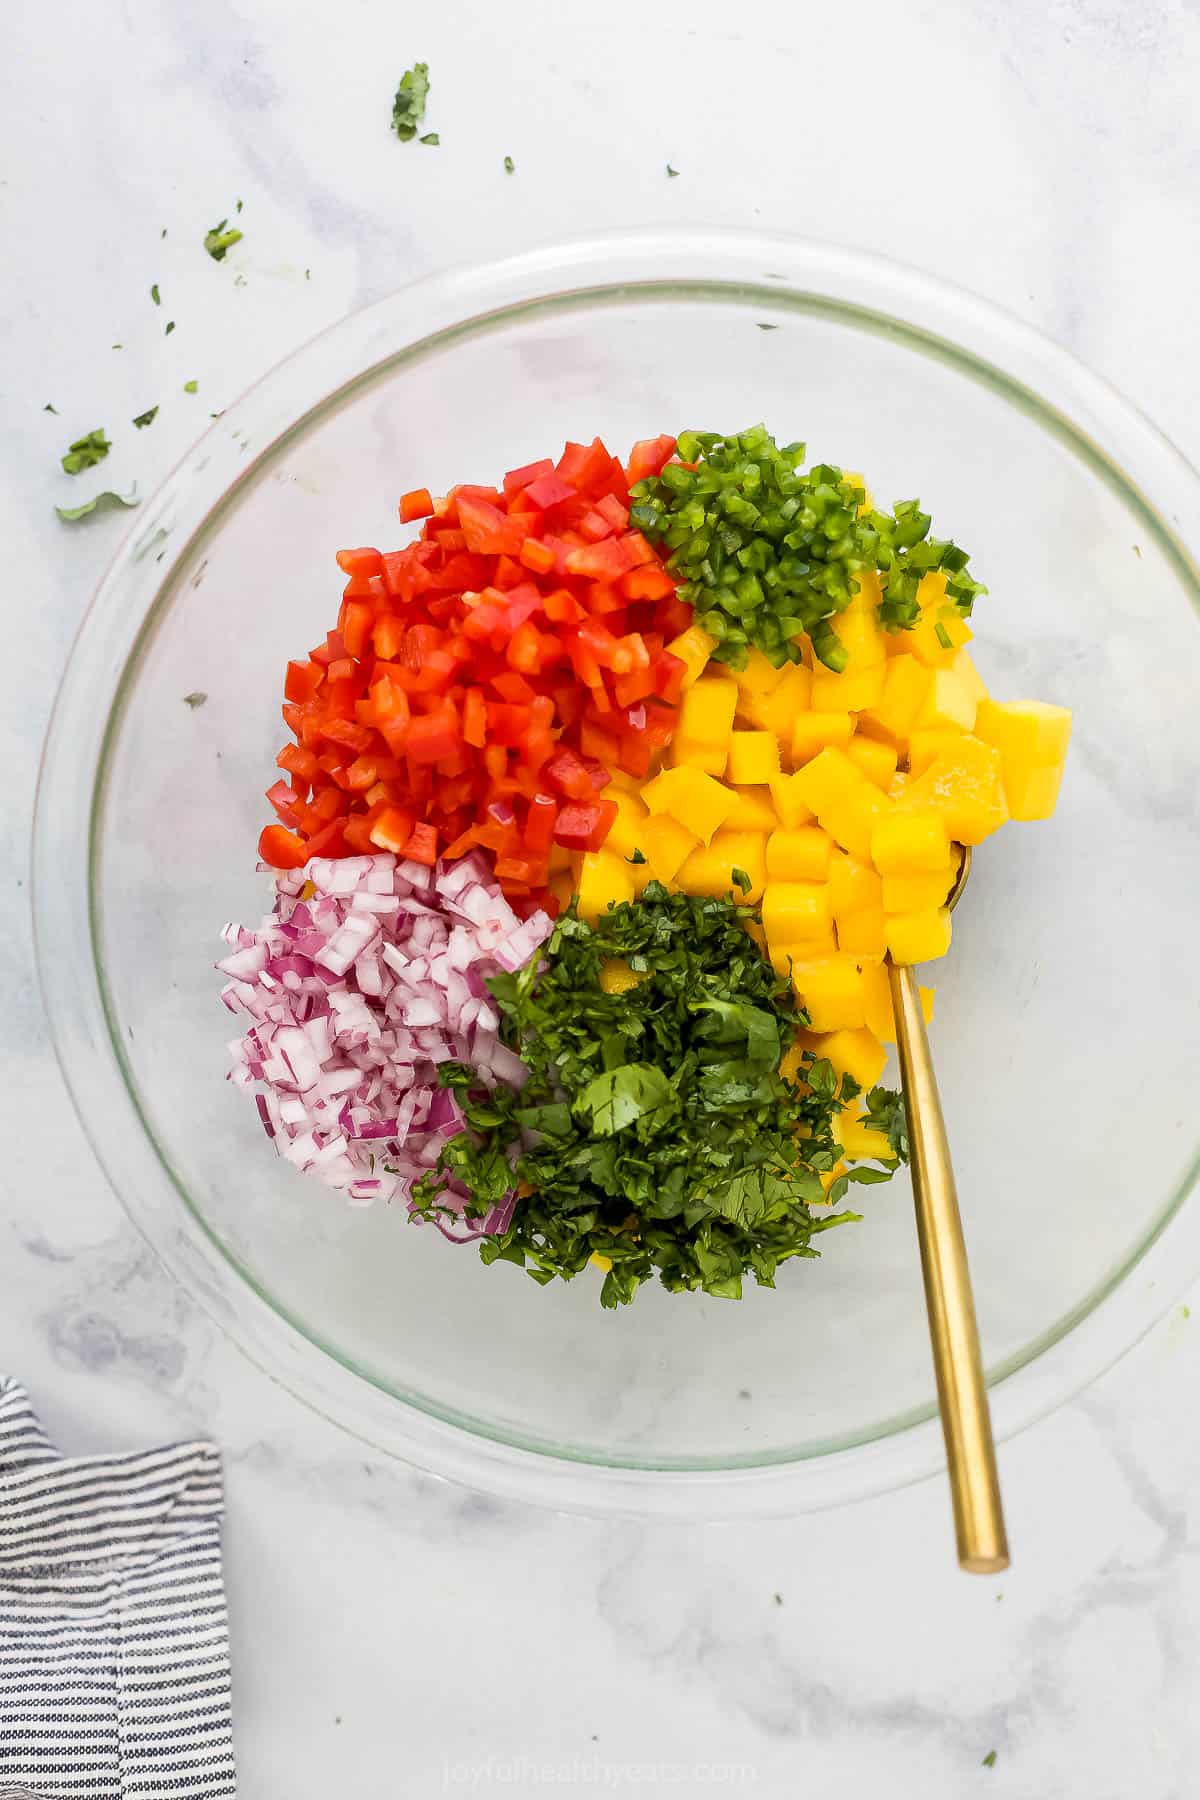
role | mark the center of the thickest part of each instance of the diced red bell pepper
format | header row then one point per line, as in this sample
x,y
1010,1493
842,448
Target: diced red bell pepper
x,y
359,562
416,504
422,845
516,479
302,681
649,457
537,556
572,775
391,830
647,582
282,849
488,530
433,736
584,825
539,824
549,490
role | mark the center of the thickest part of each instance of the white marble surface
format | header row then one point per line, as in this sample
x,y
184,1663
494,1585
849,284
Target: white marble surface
x,y
392,1636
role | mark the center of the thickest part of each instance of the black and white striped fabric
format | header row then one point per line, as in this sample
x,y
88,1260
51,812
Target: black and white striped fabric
x,y
114,1644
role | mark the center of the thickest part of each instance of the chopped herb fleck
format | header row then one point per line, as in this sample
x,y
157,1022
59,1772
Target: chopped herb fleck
x,y
636,858
194,700
943,636
430,137
989,1761
86,452
190,387
237,206
49,408
778,1599
219,241
408,107
170,328
155,295
509,166
671,173
102,502
764,326
146,418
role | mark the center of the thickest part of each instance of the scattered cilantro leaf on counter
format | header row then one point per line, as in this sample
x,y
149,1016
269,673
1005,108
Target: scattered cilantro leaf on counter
x,y
430,137
989,1761
655,1131
237,206
764,326
155,295
170,328
146,418
510,167
102,502
767,551
408,107
49,408
194,700
86,452
671,173
219,241
191,387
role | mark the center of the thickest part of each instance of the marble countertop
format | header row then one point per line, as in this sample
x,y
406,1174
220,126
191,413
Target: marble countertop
x,y
386,1627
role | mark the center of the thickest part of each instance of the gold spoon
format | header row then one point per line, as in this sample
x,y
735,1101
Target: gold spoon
x,y
953,1332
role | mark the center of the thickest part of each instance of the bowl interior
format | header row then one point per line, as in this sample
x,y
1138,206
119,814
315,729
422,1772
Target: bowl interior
x,y
1067,1025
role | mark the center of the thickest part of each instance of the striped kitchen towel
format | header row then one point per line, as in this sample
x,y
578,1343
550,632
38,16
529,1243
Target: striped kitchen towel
x,y
114,1644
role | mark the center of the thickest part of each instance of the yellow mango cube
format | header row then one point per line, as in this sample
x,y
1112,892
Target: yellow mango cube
x,y
812,731
793,911
693,647
709,758
1032,793
877,988
924,745
691,797
917,893
964,668
854,886
1031,738
776,710
861,1142
709,869
791,1064
799,855
851,691
925,639
863,934
843,800
616,976
857,628
949,705
753,758
906,685
754,810
624,835
760,676
666,845
783,957
910,843
856,1053
706,710
876,759
830,990
788,803
604,880
963,783
918,936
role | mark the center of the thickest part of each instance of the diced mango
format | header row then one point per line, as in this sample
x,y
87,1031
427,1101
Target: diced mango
x,y
800,855
789,806
876,759
616,976
857,628
667,845
910,843
760,676
693,647
851,691
854,886
783,957
918,936
709,758
776,711
812,731
857,1053
924,745
863,933
605,880
844,801
709,869
861,1142
793,911
706,710
917,893
754,810
925,638
830,990
562,886
949,705
1032,793
624,834
963,783
791,1065
1031,738
753,758
906,685
878,991
691,797
964,668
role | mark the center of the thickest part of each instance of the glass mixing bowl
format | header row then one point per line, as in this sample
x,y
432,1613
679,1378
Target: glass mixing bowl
x,y
1068,1017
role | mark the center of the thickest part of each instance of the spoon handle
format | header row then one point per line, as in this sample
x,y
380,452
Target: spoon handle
x,y
966,1421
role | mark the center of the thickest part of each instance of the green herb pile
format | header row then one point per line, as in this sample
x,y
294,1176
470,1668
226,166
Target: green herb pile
x,y
767,552
655,1128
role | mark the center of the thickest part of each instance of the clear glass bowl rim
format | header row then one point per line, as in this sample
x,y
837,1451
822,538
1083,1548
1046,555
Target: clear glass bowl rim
x,y
987,345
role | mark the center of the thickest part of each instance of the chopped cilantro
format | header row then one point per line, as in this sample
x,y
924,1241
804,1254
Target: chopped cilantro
x,y
741,880
86,452
430,137
764,326
778,1599
943,636
989,1761
146,418
671,173
219,241
237,206
155,295
655,1129
102,502
767,552
49,408
190,387
194,700
510,166
636,858
408,107
170,328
